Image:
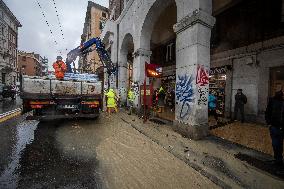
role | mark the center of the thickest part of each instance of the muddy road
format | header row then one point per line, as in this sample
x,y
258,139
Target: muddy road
x,y
102,153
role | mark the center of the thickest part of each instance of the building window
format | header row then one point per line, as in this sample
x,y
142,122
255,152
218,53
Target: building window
x,y
104,14
102,25
170,52
24,58
14,80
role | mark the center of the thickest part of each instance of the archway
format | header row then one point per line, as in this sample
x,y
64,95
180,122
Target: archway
x,y
192,28
162,45
126,66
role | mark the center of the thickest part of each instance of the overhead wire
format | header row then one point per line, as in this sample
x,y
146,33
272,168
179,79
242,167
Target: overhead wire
x,y
59,22
48,25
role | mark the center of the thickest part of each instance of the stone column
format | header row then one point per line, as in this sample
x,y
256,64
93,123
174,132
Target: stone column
x,y
192,73
140,57
122,76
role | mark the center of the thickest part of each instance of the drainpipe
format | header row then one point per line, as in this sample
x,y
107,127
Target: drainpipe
x,y
231,104
117,47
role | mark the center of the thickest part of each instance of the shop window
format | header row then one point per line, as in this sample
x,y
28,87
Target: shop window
x,y
217,84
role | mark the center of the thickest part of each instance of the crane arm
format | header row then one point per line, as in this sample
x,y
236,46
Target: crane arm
x,y
86,48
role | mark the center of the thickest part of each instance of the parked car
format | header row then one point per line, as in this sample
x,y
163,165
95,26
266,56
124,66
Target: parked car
x,y
8,91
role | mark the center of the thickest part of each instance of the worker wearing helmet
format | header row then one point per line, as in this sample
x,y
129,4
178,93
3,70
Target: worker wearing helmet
x,y
59,67
111,102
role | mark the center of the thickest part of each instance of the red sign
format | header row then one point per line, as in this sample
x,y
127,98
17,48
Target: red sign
x,y
153,70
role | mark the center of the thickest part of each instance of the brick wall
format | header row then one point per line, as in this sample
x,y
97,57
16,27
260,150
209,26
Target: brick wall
x,y
29,65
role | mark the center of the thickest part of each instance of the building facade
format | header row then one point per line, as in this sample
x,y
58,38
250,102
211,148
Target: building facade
x,y
218,46
30,64
95,19
8,45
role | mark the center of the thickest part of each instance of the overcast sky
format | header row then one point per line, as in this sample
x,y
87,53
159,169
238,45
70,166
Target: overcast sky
x,y
34,35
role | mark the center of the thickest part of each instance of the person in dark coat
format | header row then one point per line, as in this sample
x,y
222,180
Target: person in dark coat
x,y
274,116
240,101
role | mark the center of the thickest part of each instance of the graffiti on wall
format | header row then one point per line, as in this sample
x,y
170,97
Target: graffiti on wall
x,y
135,87
202,81
202,96
122,91
184,94
202,76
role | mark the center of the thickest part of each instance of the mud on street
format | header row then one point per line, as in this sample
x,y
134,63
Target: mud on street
x,y
102,153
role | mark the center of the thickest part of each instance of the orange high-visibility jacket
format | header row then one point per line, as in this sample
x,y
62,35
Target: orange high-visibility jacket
x,y
60,68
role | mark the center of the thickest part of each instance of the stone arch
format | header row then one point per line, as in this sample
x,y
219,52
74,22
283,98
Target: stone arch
x,y
107,37
125,59
127,45
150,20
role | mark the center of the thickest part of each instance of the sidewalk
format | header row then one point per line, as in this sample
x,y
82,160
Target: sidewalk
x,y
212,157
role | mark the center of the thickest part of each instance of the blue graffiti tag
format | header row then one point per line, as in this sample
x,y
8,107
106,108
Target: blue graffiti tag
x,y
184,94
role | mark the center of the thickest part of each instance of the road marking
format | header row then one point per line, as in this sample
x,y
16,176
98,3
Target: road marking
x,y
10,114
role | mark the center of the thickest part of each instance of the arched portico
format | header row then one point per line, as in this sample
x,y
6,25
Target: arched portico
x,y
125,66
193,32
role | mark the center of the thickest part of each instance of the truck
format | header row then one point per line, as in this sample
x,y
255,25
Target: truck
x,y
76,96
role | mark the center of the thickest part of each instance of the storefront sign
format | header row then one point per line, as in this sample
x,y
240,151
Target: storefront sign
x,y
218,70
153,70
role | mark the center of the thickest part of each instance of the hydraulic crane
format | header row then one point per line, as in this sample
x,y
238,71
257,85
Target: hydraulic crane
x,y
85,48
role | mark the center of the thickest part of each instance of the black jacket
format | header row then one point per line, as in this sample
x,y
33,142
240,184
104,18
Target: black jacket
x,y
274,113
240,99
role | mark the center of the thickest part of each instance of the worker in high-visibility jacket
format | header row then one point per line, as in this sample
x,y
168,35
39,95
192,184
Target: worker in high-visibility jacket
x,y
111,101
130,98
59,67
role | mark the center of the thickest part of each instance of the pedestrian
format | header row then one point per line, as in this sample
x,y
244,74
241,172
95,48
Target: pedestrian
x,y
212,105
130,98
274,116
59,67
161,99
240,101
111,102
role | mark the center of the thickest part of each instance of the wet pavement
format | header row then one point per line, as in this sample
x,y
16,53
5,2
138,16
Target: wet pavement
x,y
102,153
7,104
30,158
118,152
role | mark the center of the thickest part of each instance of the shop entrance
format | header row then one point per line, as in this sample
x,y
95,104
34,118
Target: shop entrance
x,y
163,42
276,79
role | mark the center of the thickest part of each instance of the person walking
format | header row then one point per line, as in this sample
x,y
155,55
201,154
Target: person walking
x,y
212,101
161,100
240,101
274,116
111,102
130,98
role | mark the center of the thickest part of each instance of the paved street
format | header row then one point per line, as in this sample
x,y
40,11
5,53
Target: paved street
x,y
118,152
103,153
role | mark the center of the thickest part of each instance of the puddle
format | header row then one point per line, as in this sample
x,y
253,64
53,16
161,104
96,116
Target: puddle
x,y
24,135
